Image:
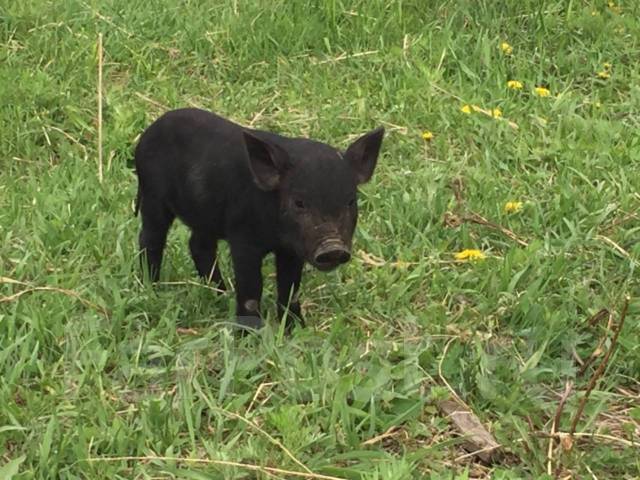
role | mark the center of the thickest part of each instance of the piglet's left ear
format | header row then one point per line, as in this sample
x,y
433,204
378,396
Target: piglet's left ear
x,y
363,154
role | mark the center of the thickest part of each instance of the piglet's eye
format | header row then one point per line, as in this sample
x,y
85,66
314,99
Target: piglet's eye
x,y
299,204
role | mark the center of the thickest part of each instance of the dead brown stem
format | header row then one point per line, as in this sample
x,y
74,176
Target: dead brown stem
x,y
454,220
620,221
389,433
597,317
598,350
480,220
458,188
556,421
563,399
246,466
70,293
100,175
598,436
601,368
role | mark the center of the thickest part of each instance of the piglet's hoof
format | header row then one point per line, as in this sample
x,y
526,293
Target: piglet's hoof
x,y
249,322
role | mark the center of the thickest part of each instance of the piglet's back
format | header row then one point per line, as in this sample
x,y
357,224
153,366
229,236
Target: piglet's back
x,y
193,161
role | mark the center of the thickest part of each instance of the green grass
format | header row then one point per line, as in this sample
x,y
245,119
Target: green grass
x,y
106,366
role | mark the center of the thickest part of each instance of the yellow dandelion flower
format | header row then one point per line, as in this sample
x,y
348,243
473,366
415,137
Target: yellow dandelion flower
x,y
606,66
469,255
614,8
542,91
541,120
597,104
514,85
401,265
512,207
506,48
595,13
496,113
603,74
427,135
466,109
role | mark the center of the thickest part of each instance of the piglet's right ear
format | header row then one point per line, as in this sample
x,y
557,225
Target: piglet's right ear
x,y
363,154
267,161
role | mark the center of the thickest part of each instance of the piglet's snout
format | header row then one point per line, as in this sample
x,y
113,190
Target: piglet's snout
x,y
332,253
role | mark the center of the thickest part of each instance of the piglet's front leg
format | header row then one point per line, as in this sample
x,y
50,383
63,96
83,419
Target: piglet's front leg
x,y
247,263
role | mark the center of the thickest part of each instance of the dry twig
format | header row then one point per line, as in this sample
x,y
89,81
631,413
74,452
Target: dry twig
x,y
604,313
613,244
100,107
595,354
344,56
620,221
246,466
563,399
556,421
480,220
598,436
598,373
258,391
454,220
597,317
151,101
64,291
389,433
266,434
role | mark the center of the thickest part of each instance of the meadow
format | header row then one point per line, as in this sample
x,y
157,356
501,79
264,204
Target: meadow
x,y
495,258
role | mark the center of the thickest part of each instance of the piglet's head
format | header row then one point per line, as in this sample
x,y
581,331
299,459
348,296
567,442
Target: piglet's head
x,y
317,188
